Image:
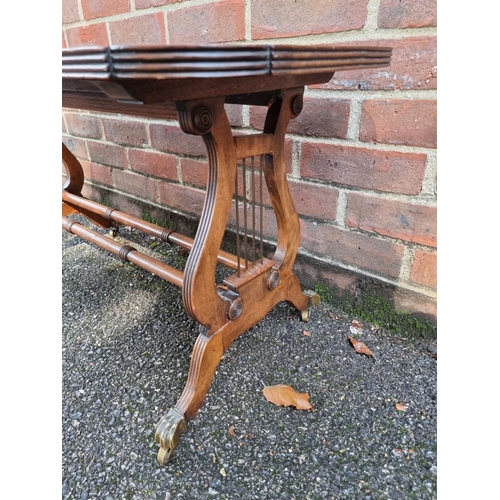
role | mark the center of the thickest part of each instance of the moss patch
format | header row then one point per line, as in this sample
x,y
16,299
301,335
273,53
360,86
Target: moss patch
x,y
379,311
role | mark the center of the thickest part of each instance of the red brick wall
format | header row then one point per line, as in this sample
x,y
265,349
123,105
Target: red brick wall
x,y
362,155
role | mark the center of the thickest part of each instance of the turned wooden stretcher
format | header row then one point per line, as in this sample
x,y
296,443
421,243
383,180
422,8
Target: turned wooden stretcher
x,y
192,84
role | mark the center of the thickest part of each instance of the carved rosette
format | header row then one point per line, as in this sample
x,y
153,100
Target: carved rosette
x,y
197,120
297,104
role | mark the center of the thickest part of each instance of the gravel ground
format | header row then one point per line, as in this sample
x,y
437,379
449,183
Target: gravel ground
x,y
126,348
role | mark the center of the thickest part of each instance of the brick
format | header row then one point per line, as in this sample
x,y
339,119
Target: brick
x,y
269,224
135,184
407,13
177,197
312,273
396,219
314,200
148,29
360,250
409,123
145,4
123,203
107,154
64,44
323,118
70,12
319,118
234,114
413,66
97,173
258,117
94,34
388,171
84,125
173,140
151,163
281,18
90,192
424,269
94,9
215,22
76,146
127,132
194,172
415,303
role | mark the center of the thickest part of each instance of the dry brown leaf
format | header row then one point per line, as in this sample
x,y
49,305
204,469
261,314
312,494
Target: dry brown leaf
x,y
284,395
356,323
231,431
306,333
360,347
401,407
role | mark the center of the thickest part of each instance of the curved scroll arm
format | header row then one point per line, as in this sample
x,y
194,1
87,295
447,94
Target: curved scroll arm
x,y
74,185
208,119
74,171
286,106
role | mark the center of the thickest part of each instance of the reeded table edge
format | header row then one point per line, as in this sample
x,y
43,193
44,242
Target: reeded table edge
x,y
208,61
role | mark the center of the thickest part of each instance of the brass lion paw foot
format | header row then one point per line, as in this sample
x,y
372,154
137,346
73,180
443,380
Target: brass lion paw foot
x,y
167,434
314,299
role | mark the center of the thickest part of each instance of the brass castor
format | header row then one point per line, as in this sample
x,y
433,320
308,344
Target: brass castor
x,y
304,315
314,299
167,434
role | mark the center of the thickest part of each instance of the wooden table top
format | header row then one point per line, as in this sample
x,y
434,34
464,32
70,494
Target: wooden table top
x,y
116,77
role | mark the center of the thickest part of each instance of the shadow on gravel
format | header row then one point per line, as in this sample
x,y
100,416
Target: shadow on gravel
x,y
126,346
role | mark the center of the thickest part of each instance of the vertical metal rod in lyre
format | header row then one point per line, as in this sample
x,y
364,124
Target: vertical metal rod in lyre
x,y
253,195
236,194
245,243
261,212
253,209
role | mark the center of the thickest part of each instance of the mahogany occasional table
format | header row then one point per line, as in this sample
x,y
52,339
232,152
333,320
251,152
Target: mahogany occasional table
x,y
192,84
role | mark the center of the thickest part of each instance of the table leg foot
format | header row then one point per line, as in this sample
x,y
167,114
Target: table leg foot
x,y
314,299
205,358
167,434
